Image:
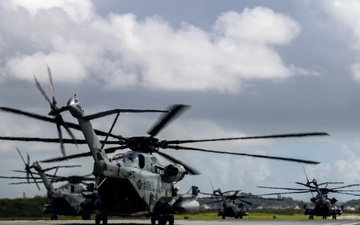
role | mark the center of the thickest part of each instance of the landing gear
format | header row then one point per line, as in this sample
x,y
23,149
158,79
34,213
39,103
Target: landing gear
x,y
54,217
85,216
163,219
101,217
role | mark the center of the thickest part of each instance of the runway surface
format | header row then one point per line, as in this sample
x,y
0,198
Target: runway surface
x,y
348,221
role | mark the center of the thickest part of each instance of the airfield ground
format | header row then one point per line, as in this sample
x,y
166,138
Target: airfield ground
x,y
340,221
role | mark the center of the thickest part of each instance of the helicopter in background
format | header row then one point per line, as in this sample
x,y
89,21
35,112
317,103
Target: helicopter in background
x,y
324,206
233,204
133,183
63,200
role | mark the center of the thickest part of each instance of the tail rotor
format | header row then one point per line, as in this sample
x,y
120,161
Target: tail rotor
x,y
55,111
28,168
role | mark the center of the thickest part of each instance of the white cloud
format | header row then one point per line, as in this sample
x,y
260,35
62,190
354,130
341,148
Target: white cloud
x,y
344,169
346,15
79,11
121,50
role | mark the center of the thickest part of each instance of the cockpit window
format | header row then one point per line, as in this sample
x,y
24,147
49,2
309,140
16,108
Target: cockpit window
x,y
141,161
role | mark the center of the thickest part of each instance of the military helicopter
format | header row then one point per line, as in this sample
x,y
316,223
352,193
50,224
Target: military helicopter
x,y
233,204
323,205
63,200
133,183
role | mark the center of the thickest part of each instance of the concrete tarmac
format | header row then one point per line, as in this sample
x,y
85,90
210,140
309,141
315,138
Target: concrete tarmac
x,y
342,221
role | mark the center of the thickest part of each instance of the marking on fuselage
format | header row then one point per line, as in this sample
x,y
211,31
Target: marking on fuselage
x,y
139,184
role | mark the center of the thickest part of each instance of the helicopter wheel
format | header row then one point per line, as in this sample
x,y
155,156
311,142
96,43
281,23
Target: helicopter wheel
x,y
97,219
171,219
153,220
85,216
162,220
101,217
54,217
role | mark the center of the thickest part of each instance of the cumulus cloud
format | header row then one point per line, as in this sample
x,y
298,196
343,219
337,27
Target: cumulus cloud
x,y
346,14
121,50
345,168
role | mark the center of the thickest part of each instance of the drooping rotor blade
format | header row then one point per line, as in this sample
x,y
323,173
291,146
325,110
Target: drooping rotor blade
x,y
326,183
251,137
115,111
48,140
17,183
229,191
306,185
175,111
346,186
58,159
242,200
36,116
51,120
188,168
79,155
283,193
243,154
348,193
15,177
65,166
281,188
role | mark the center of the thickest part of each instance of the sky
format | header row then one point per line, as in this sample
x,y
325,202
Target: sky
x,y
245,67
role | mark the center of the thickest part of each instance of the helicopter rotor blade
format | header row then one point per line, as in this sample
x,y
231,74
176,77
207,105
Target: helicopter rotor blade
x,y
51,120
58,159
42,91
346,186
111,128
289,135
115,111
79,155
188,168
242,200
306,185
57,167
330,183
62,148
281,188
32,176
15,177
176,147
175,111
291,192
46,140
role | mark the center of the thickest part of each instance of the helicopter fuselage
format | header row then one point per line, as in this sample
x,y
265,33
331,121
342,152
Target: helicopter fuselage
x,y
64,200
131,183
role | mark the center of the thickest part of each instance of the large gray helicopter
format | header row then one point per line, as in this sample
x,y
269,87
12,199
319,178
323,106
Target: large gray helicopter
x,y
323,205
231,204
63,200
133,183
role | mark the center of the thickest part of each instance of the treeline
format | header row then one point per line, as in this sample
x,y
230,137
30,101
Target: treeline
x,y
22,207
33,207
